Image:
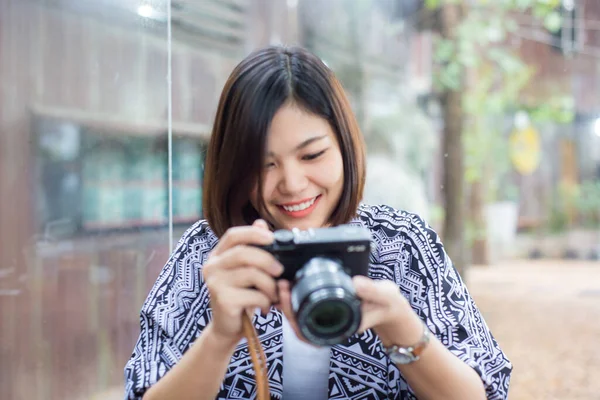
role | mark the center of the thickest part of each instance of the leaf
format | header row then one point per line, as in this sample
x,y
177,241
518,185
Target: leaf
x,y
495,104
467,55
472,175
444,50
511,25
453,71
510,64
432,4
522,5
469,60
553,21
471,104
495,30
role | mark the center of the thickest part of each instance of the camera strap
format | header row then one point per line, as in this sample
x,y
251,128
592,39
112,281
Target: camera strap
x,y
259,361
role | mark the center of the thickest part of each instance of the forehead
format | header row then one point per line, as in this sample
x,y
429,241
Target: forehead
x,y
292,125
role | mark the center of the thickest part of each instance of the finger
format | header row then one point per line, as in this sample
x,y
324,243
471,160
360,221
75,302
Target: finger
x,y
250,277
251,256
285,300
243,235
283,284
285,305
236,300
378,292
261,223
371,316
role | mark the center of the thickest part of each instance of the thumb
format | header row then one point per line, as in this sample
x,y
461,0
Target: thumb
x,y
261,223
364,287
368,290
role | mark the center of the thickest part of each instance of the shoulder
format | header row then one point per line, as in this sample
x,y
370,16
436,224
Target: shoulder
x,y
187,257
395,229
197,239
392,221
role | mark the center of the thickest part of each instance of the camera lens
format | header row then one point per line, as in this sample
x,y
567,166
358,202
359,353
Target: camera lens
x,y
323,298
329,317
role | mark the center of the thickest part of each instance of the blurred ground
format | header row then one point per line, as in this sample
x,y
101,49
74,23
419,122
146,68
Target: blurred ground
x,y
546,317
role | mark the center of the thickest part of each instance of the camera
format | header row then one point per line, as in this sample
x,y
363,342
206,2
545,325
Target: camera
x,y
320,264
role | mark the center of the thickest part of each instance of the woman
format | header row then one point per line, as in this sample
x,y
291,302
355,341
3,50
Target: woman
x,y
286,152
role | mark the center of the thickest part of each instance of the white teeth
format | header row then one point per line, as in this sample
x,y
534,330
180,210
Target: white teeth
x,y
301,206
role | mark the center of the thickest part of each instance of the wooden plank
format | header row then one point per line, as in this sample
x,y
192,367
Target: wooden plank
x,y
218,10
107,123
203,24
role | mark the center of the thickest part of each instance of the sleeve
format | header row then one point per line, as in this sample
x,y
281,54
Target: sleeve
x,y
438,294
172,316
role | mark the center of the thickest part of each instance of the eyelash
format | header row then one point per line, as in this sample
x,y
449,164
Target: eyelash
x,y
308,157
314,156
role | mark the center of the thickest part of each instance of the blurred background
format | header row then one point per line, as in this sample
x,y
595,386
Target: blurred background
x,y
484,117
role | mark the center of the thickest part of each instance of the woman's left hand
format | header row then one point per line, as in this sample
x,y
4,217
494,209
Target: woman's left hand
x,y
387,311
384,309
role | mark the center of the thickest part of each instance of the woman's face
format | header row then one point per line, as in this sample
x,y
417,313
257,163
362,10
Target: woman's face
x,y
303,171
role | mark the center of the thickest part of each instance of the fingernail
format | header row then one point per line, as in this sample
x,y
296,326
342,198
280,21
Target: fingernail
x,y
277,268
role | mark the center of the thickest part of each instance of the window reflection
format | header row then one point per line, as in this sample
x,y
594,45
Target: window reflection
x,y
94,181
84,179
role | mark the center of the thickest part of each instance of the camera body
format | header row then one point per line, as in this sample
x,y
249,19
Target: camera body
x,y
349,244
320,264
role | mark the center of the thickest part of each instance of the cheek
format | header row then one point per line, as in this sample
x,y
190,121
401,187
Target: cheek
x,y
331,172
269,184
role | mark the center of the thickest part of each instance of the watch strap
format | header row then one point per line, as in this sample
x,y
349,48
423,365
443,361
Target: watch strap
x,y
414,351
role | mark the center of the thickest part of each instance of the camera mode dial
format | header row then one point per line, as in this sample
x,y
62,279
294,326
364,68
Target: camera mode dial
x,y
283,236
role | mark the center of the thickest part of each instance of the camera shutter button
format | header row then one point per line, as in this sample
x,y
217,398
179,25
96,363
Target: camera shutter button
x,y
284,236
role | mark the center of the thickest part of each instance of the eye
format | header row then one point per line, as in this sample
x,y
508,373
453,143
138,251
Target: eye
x,y
269,165
314,156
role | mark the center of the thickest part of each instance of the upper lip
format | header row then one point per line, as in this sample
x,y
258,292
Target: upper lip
x,y
297,202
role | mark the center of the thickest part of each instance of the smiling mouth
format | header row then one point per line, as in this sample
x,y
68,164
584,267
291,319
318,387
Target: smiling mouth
x,y
300,206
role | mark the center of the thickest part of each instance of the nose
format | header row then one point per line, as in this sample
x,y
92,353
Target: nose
x,y
293,180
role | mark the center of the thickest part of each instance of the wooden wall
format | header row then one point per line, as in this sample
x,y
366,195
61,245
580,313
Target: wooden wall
x,y
68,309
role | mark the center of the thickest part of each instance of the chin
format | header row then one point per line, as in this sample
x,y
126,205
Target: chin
x,y
301,224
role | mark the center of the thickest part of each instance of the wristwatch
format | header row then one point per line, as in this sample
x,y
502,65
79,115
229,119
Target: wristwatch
x,y
408,354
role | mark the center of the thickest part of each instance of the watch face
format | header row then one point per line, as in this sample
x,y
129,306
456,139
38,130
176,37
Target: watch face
x,y
401,356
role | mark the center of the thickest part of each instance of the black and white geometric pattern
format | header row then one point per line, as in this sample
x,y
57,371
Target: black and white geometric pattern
x,y
406,250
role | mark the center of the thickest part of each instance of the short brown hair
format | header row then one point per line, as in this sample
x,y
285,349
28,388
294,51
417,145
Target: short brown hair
x,y
264,81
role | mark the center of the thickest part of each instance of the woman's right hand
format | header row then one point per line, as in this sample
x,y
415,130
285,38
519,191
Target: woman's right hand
x,y
240,278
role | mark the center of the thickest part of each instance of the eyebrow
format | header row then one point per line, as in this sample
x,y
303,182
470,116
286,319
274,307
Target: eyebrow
x,y
303,144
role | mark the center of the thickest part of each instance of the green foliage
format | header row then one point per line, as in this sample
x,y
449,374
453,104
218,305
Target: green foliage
x,y
552,21
493,77
486,104
588,203
583,198
559,109
558,221
433,4
564,199
480,36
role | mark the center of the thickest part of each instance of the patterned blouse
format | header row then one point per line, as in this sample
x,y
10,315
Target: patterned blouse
x,y
407,251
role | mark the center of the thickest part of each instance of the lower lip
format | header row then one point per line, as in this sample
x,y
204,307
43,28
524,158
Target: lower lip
x,y
301,213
